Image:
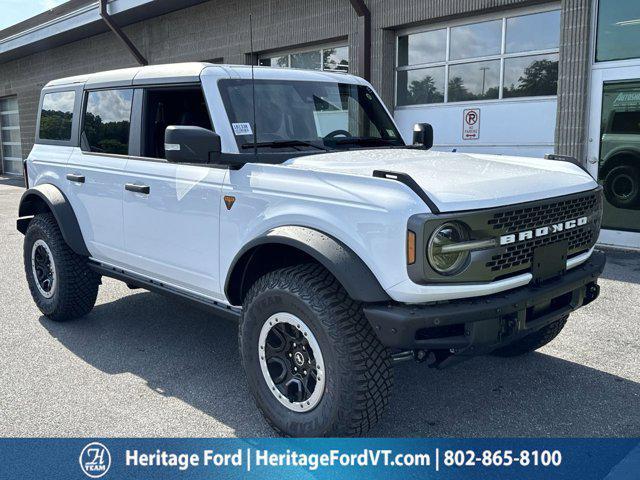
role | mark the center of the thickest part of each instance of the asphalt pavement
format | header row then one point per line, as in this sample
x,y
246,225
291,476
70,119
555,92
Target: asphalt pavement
x,y
141,364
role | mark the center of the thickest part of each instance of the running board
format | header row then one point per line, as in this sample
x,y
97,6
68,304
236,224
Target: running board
x,y
409,182
140,281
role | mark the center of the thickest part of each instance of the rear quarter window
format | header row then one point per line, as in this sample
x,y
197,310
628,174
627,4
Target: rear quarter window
x,y
56,117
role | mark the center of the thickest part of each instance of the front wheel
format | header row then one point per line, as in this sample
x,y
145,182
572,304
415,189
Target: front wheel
x,y
313,363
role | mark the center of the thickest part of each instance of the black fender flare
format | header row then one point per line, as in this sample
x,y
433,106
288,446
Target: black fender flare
x,y
31,203
617,157
343,263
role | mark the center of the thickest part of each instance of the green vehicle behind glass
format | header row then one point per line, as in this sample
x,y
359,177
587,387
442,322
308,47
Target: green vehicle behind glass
x,y
620,149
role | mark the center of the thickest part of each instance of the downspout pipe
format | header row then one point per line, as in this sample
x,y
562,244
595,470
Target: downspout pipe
x,y
108,19
364,38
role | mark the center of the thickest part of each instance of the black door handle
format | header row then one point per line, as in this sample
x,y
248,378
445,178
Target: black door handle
x,y
74,177
132,187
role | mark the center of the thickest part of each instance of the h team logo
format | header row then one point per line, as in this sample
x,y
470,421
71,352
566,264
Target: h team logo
x,y
95,460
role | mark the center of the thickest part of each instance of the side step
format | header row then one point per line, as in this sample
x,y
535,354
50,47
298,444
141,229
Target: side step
x,y
138,281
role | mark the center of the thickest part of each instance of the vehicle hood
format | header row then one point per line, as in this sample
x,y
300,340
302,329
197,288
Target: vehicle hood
x,y
460,181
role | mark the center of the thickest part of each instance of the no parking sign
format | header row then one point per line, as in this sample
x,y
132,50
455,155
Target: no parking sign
x,y
471,124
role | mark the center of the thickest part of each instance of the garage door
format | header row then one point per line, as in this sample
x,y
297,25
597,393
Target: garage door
x,y
10,136
487,84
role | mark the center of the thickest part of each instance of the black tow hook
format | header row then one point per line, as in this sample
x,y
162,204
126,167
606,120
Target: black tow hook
x,y
592,292
420,356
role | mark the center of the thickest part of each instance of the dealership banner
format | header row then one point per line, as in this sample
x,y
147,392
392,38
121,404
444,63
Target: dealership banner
x,y
320,458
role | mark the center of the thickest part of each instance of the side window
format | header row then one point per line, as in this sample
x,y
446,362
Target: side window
x,y
56,117
107,119
171,106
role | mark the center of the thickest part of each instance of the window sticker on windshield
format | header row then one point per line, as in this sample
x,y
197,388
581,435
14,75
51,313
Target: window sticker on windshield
x,y
242,128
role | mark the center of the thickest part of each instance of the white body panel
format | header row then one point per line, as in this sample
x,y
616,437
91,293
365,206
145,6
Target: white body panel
x,y
97,202
172,234
366,214
457,181
48,164
182,234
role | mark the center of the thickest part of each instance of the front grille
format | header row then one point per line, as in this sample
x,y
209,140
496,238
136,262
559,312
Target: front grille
x,y
519,256
542,215
522,253
499,262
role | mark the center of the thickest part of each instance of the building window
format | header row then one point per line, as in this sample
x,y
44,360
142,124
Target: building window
x,y
10,142
106,121
618,30
512,56
326,58
56,116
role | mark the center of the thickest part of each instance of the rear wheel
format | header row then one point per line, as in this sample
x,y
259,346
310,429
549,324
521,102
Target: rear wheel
x,y
61,284
313,363
532,341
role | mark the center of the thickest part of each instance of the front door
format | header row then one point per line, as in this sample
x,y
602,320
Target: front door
x,y
614,151
172,211
171,227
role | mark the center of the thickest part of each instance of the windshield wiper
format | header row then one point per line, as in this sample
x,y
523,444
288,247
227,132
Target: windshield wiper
x,y
283,144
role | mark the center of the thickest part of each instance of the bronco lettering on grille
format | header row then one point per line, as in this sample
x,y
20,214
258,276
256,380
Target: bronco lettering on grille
x,y
543,231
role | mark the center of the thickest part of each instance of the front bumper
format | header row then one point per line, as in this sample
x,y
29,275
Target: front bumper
x,y
477,326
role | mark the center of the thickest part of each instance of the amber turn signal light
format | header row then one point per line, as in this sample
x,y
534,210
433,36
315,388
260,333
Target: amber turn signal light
x,y
411,247
229,200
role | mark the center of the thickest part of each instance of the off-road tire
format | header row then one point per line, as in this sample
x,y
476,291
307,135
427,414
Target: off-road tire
x,y
76,284
631,174
358,370
533,341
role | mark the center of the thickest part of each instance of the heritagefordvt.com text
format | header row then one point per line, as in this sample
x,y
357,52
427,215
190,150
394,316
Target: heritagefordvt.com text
x,y
249,458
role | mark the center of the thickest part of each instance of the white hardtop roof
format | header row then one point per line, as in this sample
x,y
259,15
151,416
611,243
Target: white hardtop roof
x,y
191,72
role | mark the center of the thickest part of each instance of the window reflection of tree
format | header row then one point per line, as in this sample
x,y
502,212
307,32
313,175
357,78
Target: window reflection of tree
x,y
107,137
55,125
539,78
458,92
424,91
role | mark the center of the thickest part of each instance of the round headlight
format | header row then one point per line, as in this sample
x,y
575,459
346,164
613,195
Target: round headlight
x,y
447,263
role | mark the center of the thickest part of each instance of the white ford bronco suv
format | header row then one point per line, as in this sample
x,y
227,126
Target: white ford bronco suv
x,y
289,200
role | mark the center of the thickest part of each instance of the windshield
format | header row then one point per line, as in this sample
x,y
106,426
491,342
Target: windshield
x,y
304,115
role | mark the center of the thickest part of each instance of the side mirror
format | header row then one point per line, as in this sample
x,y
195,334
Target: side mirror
x,y
423,135
186,144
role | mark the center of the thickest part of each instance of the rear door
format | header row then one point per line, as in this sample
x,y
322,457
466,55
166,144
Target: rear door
x,y
96,171
171,211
